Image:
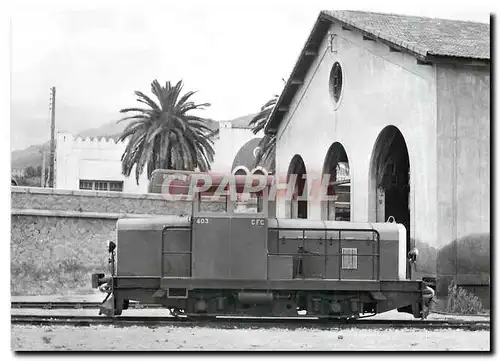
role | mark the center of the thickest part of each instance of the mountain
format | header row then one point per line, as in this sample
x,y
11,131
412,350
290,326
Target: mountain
x,y
242,122
111,129
32,156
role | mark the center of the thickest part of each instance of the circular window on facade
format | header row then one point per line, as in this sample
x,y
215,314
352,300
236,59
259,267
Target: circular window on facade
x,y
336,82
256,152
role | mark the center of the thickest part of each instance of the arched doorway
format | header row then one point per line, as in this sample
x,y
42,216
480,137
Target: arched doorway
x,y
259,171
337,166
298,203
390,179
240,171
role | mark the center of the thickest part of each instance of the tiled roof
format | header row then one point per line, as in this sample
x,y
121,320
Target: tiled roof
x,y
423,36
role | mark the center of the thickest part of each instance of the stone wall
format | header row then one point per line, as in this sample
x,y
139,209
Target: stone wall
x,y
54,255
59,237
94,201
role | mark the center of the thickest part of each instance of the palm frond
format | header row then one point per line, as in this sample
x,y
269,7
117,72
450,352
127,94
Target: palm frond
x,y
143,98
259,121
166,135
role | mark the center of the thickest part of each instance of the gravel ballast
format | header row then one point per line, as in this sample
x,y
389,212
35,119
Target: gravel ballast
x,y
103,338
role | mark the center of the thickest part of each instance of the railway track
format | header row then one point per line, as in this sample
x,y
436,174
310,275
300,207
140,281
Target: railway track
x,y
219,322
232,323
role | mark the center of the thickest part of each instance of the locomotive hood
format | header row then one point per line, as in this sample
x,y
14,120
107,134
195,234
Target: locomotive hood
x,y
153,223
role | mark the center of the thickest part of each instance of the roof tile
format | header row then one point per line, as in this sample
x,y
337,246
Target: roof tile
x,y
424,36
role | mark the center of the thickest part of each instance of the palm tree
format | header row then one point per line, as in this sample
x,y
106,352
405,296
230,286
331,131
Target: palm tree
x,y
165,135
267,144
258,122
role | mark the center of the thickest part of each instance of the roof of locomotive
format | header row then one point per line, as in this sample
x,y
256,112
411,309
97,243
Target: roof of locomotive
x,y
152,223
383,228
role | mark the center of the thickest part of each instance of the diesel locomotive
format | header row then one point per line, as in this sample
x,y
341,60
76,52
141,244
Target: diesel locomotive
x,y
225,259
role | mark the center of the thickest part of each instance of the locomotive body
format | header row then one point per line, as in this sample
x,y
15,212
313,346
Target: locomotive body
x,y
247,263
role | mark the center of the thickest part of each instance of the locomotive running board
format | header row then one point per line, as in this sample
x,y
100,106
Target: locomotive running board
x,y
159,293
164,283
378,296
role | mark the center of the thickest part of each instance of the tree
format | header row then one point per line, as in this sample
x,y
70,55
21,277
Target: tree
x,y
267,144
30,172
166,135
259,121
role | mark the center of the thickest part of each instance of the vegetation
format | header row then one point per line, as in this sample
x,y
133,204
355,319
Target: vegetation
x,y
166,134
31,177
461,301
267,144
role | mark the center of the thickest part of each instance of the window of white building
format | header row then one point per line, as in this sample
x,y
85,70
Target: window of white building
x,y
98,185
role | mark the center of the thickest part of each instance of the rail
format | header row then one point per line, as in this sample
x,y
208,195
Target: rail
x,y
246,322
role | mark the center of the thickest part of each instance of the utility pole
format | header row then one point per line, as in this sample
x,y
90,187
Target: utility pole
x,y
42,180
52,136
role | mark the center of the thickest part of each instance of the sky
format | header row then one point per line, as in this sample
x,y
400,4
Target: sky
x,y
96,54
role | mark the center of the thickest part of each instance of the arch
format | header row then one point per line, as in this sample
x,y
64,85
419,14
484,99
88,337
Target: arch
x,y
336,165
389,191
245,156
241,170
298,204
259,170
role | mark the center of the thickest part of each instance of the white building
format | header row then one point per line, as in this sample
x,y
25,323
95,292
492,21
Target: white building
x,y
95,164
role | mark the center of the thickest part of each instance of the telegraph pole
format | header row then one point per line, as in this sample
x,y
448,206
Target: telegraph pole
x,y
42,180
52,136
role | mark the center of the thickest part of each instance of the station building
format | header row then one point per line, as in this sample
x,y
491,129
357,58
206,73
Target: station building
x,y
403,105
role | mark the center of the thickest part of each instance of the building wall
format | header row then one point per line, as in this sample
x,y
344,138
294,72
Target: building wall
x,y
227,146
92,159
463,166
17,172
380,88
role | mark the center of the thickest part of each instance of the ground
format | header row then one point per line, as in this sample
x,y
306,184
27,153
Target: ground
x,y
101,338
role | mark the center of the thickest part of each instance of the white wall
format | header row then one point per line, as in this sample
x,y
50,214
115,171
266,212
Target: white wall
x,y
227,146
97,159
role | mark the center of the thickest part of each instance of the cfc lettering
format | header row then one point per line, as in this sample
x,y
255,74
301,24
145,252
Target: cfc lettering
x,y
257,222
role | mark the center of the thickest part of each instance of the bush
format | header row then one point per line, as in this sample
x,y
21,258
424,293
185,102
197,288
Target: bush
x,y
68,275
461,301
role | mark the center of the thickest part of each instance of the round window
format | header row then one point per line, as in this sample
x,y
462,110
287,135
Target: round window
x,y
336,82
256,152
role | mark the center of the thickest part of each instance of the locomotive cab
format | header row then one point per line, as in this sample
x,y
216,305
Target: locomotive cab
x,y
230,257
